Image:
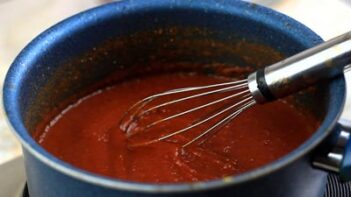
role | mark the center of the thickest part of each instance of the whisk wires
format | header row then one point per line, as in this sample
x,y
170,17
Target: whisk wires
x,y
237,95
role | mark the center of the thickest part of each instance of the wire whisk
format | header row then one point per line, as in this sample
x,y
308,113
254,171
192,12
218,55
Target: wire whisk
x,y
238,90
281,79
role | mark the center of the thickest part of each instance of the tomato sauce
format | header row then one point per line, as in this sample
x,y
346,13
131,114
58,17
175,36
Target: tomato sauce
x,y
87,135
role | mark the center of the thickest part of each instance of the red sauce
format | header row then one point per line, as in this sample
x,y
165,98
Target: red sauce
x,y
87,135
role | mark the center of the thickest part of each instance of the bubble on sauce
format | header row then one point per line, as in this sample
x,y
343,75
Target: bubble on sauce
x,y
226,149
194,179
172,140
158,31
228,166
103,138
213,44
164,110
267,142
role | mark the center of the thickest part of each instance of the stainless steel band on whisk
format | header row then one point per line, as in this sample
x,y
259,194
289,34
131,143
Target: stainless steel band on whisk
x,y
326,60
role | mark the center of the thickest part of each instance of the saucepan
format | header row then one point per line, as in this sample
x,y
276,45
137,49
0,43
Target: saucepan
x,y
81,53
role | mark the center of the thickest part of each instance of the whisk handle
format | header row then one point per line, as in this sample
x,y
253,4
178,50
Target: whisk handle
x,y
323,61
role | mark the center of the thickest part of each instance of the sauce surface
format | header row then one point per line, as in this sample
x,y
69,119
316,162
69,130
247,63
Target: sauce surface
x,y
87,135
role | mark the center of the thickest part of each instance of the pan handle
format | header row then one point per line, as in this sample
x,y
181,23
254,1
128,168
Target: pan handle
x,y
339,158
345,165
345,131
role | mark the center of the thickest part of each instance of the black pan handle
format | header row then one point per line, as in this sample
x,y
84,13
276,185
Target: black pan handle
x,y
339,158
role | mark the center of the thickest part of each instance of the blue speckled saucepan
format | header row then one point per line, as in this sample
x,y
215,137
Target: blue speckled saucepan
x,y
70,58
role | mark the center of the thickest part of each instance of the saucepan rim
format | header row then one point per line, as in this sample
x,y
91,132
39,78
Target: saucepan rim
x,y
252,11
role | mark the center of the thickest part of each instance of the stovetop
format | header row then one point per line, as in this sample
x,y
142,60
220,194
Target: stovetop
x,y
335,188
13,182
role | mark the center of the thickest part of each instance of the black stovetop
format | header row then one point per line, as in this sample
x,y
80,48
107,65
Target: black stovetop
x,y
336,188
